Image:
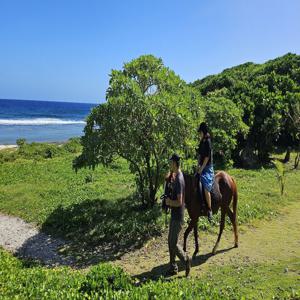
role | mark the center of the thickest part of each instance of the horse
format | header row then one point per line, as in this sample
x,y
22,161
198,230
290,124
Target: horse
x,y
224,190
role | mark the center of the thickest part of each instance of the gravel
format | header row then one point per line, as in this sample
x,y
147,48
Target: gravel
x,y
26,241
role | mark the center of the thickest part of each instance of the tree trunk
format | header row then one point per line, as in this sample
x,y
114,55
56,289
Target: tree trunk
x,y
287,155
152,196
141,188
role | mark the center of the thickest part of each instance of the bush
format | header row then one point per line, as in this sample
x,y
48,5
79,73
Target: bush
x,y
8,155
38,151
105,278
21,142
20,282
73,145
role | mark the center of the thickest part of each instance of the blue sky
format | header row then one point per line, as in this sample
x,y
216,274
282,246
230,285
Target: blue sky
x,y
64,50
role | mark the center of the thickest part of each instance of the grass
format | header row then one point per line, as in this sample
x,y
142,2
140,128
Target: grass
x,y
258,281
97,210
19,280
33,189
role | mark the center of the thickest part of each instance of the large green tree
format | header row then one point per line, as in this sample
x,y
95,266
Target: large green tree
x,y
263,92
149,113
224,118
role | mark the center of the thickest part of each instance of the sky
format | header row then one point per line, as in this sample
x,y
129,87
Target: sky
x,y
65,50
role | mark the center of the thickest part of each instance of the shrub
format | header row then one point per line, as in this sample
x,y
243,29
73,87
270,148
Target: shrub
x,y
105,278
73,145
38,151
21,142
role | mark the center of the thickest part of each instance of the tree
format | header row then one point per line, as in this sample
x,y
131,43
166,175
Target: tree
x,y
149,113
261,91
293,121
225,121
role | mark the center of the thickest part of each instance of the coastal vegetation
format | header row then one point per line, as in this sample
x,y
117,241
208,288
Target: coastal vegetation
x,y
253,111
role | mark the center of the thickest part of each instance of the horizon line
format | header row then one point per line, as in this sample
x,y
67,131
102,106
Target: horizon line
x,y
56,101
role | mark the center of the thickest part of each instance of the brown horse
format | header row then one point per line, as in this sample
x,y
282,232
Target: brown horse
x,y
224,190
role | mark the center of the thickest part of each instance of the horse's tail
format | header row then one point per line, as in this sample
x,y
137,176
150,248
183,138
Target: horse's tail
x,y
234,206
235,198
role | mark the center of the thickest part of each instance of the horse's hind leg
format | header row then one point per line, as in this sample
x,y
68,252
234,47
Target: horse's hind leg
x,y
222,225
196,239
234,224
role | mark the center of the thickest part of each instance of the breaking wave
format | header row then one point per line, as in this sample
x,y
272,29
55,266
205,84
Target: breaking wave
x,y
39,121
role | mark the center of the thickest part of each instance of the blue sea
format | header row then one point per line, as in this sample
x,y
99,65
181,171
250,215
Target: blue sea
x,y
41,121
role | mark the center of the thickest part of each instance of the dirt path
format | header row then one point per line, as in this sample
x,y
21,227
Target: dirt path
x,y
264,241
26,241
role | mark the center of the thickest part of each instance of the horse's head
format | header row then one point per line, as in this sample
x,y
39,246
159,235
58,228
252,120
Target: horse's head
x,y
169,178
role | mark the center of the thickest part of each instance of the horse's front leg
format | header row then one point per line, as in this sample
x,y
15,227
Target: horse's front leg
x,y
186,234
196,239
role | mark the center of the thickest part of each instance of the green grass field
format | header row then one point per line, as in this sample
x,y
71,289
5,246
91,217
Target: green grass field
x,y
96,208
49,193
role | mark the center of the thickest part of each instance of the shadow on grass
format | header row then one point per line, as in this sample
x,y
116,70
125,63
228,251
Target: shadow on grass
x,y
102,230
157,272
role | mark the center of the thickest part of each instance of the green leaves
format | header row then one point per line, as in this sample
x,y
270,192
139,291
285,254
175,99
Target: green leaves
x,y
104,279
265,93
150,112
225,120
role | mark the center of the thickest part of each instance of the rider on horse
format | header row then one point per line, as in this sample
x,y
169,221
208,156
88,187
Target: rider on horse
x,y
205,170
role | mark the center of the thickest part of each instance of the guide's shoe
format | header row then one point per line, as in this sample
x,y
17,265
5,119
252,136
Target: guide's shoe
x,y
171,272
188,265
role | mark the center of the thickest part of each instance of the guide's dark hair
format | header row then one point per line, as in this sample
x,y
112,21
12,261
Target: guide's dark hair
x,y
176,158
203,127
177,163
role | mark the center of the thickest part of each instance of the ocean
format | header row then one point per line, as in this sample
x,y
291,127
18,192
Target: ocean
x,y
41,121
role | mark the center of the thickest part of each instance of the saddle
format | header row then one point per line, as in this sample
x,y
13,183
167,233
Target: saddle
x,y
201,195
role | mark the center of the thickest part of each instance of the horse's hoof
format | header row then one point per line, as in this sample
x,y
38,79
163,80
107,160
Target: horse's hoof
x,y
214,251
236,245
194,255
